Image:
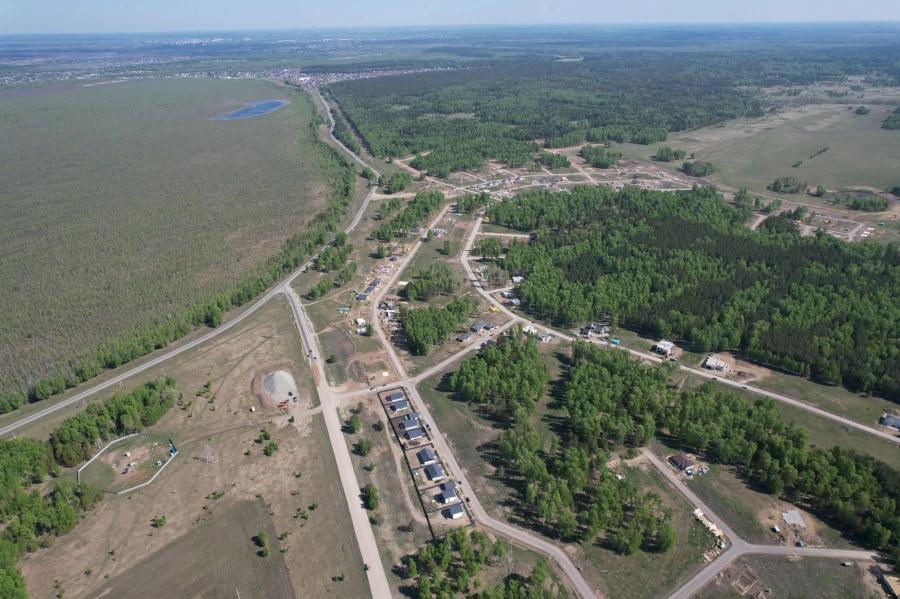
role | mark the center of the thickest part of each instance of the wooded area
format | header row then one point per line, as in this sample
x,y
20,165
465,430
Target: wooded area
x,y
684,266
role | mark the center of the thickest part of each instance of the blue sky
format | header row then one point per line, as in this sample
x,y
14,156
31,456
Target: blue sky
x,y
89,16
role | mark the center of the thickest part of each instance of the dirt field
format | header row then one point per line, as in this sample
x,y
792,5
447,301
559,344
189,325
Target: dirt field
x,y
320,542
803,578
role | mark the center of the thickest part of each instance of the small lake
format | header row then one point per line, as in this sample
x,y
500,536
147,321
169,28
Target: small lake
x,y
255,109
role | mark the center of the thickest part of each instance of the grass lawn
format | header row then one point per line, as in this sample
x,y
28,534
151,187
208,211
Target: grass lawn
x,y
131,203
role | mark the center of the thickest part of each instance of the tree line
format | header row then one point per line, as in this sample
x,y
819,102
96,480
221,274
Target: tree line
x,y
684,266
423,205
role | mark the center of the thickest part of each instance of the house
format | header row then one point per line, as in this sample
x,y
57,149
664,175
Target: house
x,y
448,496
370,289
715,363
455,512
665,348
681,461
395,396
412,416
515,302
518,280
360,322
891,421
507,295
376,282
613,461
478,326
464,337
417,229
545,337
414,434
449,485
399,406
408,425
426,457
489,327
434,472
362,297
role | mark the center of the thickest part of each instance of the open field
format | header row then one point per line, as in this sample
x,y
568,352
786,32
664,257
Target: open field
x,y
752,513
127,463
320,543
753,153
131,204
800,578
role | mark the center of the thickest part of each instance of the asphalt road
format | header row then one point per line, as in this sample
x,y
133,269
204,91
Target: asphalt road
x,y
738,546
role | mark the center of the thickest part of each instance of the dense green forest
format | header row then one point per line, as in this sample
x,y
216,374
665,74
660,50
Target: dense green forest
x,y
667,154
868,204
426,327
465,117
147,337
684,266
31,518
698,168
613,401
599,156
788,185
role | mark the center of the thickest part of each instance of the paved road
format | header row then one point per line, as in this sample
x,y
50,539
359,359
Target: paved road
x,y
368,548
738,546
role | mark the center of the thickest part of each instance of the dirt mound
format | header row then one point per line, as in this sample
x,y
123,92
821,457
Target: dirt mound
x,y
280,386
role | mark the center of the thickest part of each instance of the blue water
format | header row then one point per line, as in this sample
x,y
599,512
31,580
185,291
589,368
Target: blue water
x,y
255,109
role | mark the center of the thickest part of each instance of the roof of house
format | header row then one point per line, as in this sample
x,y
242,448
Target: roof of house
x,y
426,455
456,509
376,282
665,346
412,416
464,337
408,425
682,461
399,405
449,485
362,297
478,325
370,289
448,495
395,396
434,471
415,433
890,420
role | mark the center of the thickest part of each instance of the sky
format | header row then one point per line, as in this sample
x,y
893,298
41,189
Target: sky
x,y
127,16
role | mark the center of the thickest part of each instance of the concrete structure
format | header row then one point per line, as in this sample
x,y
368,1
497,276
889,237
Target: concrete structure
x,y
426,457
715,363
434,472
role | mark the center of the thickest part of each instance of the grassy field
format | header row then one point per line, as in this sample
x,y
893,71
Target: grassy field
x,y
124,202
807,578
107,472
752,154
309,509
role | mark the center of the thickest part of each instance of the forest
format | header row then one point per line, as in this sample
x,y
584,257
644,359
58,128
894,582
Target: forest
x,y
33,519
510,106
426,327
615,402
423,205
684,266
698,168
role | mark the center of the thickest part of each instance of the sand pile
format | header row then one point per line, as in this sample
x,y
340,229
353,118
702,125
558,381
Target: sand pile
x,y
280,386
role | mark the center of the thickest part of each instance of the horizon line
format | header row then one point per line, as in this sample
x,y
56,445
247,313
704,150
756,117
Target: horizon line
x,y
660,24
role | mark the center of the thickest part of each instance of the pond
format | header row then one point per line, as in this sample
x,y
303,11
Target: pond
x,y
255,109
